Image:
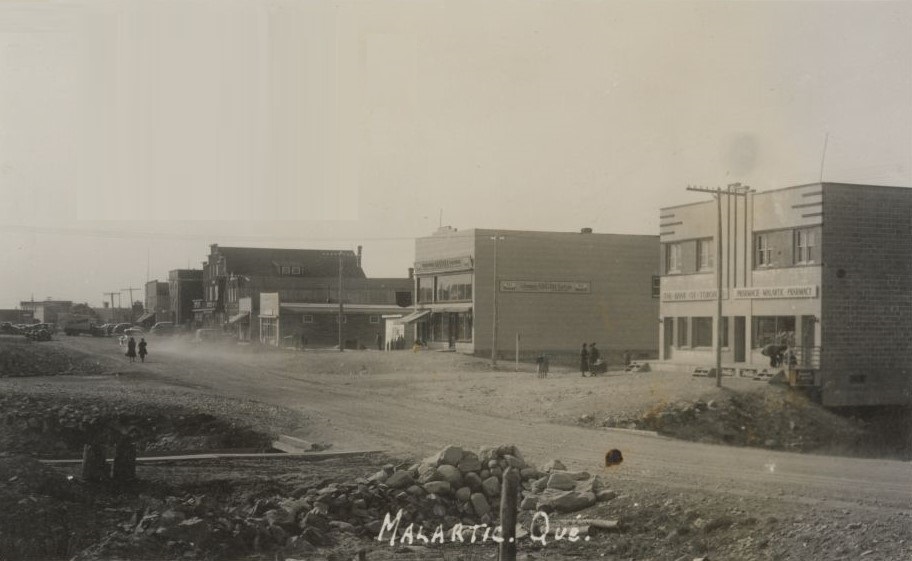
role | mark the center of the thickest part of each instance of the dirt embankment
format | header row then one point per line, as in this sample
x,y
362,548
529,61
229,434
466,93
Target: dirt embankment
x,y
21,357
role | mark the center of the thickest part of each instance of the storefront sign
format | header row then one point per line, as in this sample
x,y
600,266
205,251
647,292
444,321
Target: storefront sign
x,y
269,304
777,292
560,287
245,305
692,295
463,263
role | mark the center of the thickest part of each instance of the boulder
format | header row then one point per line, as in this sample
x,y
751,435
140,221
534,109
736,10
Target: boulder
x,y
400,480
473,480
438,487
463,494
480,504
429,473
469,462
605,495
530,473
529,503
449,455
415,491
342,526
540,484
514,461
451,474
491,486
561,481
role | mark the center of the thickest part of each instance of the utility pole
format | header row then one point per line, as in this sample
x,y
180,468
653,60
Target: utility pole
x,y
130,290
111,295
341,314
718,193
496,238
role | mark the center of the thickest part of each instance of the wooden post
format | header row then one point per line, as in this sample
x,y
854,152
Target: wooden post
x,y
509,496
94,465
124,468
516,362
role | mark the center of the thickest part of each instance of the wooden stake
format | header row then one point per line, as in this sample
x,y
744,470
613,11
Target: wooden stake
x,y
509,495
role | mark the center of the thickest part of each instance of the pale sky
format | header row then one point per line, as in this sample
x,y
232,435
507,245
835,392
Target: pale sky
x,y
135,133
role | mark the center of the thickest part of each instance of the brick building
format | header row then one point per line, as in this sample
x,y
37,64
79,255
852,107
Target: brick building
x,y
825,269
555,290
184,286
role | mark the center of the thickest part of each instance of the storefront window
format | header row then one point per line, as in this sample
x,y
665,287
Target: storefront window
x,y
702,332
454,288
705,255
770,330
682,332
425,290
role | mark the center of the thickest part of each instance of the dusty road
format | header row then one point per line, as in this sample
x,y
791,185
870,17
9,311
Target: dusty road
x,y
347,411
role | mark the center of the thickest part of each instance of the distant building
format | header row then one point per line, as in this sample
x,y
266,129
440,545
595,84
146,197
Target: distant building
x,y
157,304
184,286
824,269
552,291
16,315
46,311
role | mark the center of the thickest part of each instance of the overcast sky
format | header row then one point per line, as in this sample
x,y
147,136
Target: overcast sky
x,y
135,133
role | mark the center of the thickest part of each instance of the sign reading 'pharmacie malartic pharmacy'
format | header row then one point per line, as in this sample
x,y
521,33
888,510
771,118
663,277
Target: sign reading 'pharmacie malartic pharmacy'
x,y
809,291
560,287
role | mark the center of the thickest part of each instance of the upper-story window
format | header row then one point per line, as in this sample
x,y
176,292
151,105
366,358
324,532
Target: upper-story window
x,y
805,246
705,255
673,258
763,252
286,270
296,270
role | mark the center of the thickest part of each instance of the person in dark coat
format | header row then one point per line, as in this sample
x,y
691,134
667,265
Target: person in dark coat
x,y
379,341
594,356
142,349
584,361
131,349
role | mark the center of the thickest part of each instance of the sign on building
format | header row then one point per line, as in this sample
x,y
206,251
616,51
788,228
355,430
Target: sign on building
x,y
463,263
692,295
759,292
554,287
269,304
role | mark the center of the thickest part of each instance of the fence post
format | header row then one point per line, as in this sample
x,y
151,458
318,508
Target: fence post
x,y
509,495
94,465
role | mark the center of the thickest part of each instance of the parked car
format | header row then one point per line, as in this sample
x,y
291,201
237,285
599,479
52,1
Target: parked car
x,y
119,328
211,336
163,328
134,332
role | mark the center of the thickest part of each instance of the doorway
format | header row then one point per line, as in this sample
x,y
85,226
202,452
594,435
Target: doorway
x,y
667,337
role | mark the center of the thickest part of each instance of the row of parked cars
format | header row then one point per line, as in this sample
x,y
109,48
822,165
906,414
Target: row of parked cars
x,y
33,331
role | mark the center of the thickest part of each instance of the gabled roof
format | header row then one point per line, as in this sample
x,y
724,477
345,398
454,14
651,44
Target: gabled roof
x,y
267,261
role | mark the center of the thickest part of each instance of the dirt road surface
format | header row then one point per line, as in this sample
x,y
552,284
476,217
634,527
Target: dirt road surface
x,y
355,411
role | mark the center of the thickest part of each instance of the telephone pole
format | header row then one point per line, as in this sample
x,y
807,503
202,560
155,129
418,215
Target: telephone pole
x,y
111,294
496,238
733,189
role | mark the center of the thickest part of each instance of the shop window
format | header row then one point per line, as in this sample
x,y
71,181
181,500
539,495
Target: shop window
x,y
307,318
673,258
656,286
724,332
764,254
375,319
805,246
705,255
286,270
702,332
773,330
454,288
682,332
296,270
425,290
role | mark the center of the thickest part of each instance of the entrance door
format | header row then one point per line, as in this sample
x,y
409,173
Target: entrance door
x,y
668,337
740,338
808,327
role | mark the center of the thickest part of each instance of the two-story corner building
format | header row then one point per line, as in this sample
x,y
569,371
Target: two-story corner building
x,y
234,265
184,286
157,303
825,269
552,291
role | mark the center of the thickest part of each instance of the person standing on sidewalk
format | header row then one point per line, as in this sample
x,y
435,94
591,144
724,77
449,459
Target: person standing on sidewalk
x,y
131,349
584,361
142,349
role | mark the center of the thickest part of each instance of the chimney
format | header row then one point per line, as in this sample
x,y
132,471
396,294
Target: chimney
x,y
359,255
411,272
586,231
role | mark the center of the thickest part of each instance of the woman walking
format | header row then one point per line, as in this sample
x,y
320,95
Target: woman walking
x,y
131,349
584,361
142,349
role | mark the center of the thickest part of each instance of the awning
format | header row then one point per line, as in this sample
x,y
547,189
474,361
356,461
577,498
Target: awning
x,y
150,316
413,316
239,317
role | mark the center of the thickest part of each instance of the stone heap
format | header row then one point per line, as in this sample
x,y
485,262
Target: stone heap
x,y
451,487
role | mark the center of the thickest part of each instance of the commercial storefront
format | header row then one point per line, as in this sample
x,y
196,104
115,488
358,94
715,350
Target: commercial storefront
x,y
821,270
534,292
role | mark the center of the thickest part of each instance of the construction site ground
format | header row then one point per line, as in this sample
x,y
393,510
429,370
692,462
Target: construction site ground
x,y
755,498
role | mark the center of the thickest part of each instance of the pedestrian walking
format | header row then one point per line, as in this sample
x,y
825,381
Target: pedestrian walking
x,y
584,361
542,361
594,360
143,351
131,349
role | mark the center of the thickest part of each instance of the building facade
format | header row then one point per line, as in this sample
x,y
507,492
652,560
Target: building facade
x,y
552,291
158,303
824,269
184,286
46,311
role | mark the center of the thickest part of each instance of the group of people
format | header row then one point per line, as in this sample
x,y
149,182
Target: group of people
x,y
590,360
133,348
